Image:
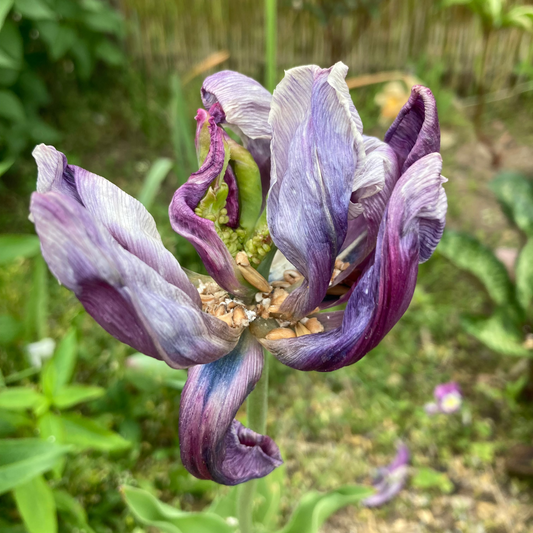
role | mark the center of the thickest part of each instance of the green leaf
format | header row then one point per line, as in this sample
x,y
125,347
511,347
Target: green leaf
x,y
51,429
499,332
64,359
14,247
515,194
10,329
467,253
34,9
36,506
59,38
36,316
157,173
152,512
5,6
20,398
4,167
10,421
23,459
75,394
269,491
315,507
71,510
11,107
109,53
87,434
524,275
6,61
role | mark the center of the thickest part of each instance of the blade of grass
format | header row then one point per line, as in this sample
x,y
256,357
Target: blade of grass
x,y
153,180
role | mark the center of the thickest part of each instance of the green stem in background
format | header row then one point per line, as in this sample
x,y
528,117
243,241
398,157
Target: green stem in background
x,y
256,410
270,44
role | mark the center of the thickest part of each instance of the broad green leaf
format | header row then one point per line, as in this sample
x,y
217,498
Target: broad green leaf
x,y
152,512
315,507
5,6
520,17
5,166
34,9
467,253
153,180
269,491
51,429
87,434
109,53
71,510
10,329
35,503
524,275
75,394
11,107
515,194
59,37
10,421
23,459
14,247
499,332
6,61
36,316
20,398
427,478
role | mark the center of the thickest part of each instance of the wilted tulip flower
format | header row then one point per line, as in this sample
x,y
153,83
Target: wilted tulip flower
x,y
348,217
391,479
448,399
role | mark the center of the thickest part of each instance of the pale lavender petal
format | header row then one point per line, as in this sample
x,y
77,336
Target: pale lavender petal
x,y
123,294
246,104
213,444
449,397
409,231
125,218
362,231
200,231
416,131
316,150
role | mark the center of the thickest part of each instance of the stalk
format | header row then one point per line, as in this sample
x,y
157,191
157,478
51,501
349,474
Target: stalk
x,y
256,411
270,44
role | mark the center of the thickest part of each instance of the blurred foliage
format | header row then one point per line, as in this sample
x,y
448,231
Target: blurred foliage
x,y
40,40
505,330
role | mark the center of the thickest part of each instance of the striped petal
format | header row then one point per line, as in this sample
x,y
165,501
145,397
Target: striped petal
x,y
317,149
200,231
246,104
213,444
409,232
416,131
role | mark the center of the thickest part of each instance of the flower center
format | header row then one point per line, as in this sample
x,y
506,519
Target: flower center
x,y
269,322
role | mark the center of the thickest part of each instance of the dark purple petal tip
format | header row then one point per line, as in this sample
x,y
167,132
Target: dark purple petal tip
x,y
415,131
213,444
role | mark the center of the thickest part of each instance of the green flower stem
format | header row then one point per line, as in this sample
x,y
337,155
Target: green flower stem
x,y
256,410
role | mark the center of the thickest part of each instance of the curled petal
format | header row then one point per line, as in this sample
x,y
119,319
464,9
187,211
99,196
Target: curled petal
x,y
362,231
213,444
410,230
127,297
126,220
415,132
246,104
200,231
316,150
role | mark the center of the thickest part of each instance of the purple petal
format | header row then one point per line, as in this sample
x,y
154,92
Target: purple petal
x,y
449,397
200,231
362,231
409,232
391,479
246,104
444,389
415,132
127,297
316,150
213,444
126,220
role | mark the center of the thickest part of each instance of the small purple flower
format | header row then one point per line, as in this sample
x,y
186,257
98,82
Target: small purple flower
x,y
448,398
391,479
349,218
